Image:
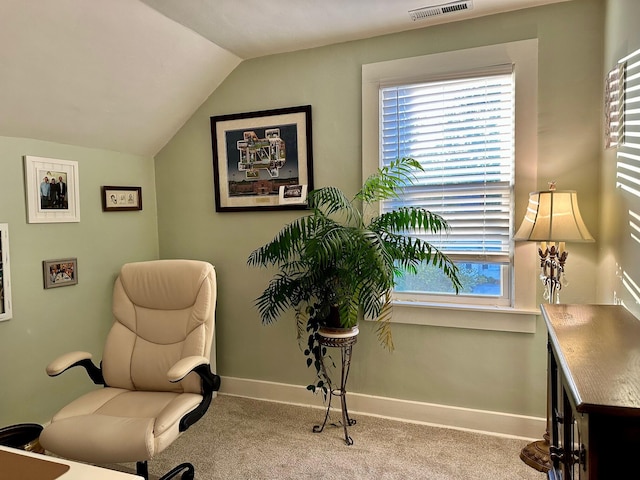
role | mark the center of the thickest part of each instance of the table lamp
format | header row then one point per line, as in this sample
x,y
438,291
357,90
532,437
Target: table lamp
x,y
552,217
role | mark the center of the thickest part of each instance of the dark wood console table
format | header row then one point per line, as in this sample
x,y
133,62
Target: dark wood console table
x,y
594,391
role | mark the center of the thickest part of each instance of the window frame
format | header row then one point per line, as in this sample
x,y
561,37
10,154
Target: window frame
x,y
520,316
471,84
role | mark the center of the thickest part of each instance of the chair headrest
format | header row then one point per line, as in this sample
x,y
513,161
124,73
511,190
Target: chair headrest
x,y
165,284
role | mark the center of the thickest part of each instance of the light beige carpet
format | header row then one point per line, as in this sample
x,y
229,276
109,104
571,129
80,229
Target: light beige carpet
x,y
241,438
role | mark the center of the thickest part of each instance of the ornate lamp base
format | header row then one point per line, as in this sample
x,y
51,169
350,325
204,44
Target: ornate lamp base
x,y
536,454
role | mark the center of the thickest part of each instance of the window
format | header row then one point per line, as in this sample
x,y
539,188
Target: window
x,y
470,117
462,132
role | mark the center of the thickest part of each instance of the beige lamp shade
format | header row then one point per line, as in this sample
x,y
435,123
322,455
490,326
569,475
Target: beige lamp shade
x,y
553,216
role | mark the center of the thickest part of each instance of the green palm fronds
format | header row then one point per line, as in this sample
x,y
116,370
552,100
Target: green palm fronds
x,y
384,184
331,259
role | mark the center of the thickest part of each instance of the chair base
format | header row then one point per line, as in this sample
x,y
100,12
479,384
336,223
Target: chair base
x,y
189,472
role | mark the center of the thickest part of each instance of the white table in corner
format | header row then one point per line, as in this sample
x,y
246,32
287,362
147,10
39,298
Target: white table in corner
x,y
20,465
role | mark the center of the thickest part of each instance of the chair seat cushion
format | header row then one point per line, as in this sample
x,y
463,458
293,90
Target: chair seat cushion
x,y
113,425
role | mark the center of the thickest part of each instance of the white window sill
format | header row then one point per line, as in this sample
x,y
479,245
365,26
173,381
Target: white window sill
x,y
479,317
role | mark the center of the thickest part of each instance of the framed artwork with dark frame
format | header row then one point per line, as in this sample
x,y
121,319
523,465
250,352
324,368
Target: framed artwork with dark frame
x,y
256,153
60,273
52,188
5,274
119,199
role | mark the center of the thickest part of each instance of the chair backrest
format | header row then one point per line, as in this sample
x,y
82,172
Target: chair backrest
x,y
163,311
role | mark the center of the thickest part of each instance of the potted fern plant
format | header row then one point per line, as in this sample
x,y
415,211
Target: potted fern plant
x,y
339,262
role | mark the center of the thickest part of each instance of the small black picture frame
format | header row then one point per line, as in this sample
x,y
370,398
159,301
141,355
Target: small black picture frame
x,y
121,199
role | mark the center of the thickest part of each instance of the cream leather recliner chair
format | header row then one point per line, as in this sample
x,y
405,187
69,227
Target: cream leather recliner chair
x,y
156,369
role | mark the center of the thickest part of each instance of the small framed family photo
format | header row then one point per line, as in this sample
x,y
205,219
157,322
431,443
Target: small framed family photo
x,y
52,188
60,273
119,199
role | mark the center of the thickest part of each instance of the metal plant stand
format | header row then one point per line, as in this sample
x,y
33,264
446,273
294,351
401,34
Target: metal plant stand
x,y
345,342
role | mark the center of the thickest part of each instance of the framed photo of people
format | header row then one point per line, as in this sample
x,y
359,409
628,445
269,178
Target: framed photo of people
x,y
5,274
256,153
60,273
52,188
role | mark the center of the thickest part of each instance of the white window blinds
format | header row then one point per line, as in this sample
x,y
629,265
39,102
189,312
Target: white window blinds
x,y
462,132
628,145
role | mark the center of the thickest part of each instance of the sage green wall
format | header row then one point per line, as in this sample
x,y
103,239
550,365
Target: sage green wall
x,y
486,370
620,278
49,322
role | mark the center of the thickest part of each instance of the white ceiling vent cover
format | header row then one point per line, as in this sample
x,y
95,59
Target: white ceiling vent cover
x,y
444,8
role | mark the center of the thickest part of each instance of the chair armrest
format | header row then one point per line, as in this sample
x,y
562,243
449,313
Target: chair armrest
x,y
74,359
210,384
184,366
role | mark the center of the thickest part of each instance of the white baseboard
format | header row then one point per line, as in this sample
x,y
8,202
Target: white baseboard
x,y
483,421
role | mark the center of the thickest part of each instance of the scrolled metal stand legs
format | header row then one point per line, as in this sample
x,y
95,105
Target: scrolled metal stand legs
x,y
341,392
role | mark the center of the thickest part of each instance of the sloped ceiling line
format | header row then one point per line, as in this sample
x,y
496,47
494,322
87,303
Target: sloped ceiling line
x,y
125,75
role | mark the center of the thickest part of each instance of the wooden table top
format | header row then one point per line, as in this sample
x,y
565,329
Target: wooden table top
x,y
598,351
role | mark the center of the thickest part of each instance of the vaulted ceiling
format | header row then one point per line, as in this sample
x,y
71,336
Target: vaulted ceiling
x,y
125,75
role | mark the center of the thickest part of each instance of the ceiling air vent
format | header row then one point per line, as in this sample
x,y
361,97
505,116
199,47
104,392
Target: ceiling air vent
x,y
443,8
